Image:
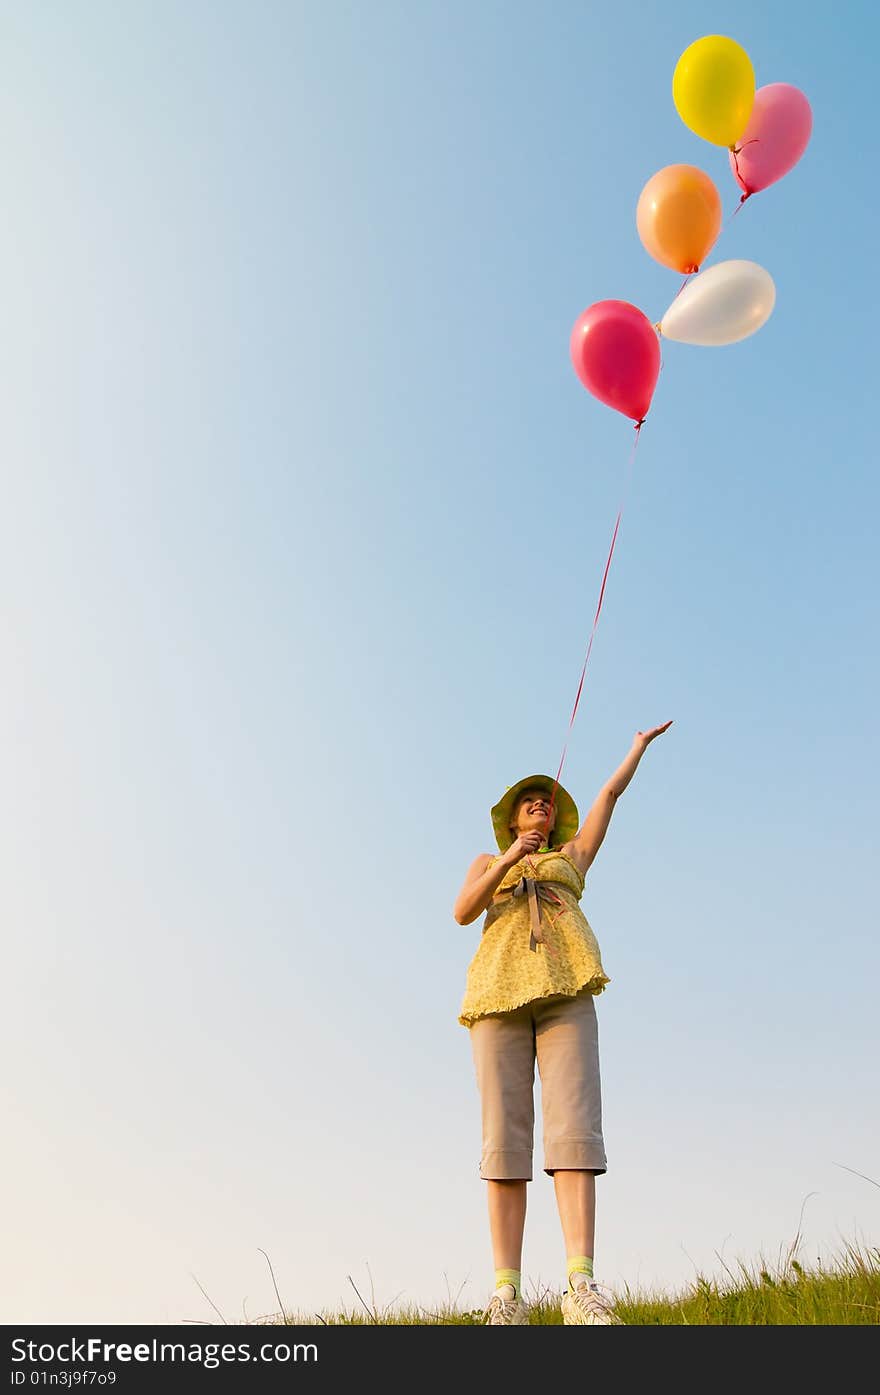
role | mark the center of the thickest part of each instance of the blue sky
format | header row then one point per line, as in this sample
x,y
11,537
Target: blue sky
x,y
305,514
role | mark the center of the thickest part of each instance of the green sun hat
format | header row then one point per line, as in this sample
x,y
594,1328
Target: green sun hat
x,y
567,821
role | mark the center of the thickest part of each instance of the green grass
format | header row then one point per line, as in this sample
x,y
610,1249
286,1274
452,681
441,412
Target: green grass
x,y
845,1291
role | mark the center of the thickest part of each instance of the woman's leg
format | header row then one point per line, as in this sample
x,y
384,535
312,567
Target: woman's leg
x,y
504,1055
507,1218
583,1303
567,1039
567,1042
576,1202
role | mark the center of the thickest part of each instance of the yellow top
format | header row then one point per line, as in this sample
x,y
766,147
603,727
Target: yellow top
x,y
536,940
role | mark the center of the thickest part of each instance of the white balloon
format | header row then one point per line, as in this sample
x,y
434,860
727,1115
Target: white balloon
x,y
721,305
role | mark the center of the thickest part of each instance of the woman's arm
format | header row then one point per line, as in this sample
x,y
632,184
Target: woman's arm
x,y
482,881
595,826
480,885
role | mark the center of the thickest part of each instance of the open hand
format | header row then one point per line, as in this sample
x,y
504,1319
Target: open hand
x,y
644,738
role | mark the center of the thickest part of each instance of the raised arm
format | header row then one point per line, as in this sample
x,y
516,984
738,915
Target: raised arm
x,y
592,832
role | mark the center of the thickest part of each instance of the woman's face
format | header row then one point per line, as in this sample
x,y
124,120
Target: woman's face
x,y
531,812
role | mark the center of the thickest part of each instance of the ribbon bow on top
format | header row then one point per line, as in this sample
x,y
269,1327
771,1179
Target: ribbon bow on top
x,y
538,892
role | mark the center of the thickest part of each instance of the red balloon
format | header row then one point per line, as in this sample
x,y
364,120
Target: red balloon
x,y
616,354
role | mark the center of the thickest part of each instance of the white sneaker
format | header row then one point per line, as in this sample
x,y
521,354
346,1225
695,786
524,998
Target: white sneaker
x,y
588,1304
505,1309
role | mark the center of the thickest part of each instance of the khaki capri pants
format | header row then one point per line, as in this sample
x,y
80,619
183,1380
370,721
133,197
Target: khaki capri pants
x,y
562,1035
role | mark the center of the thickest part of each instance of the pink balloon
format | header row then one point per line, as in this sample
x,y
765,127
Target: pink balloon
x,y
775,139
616,354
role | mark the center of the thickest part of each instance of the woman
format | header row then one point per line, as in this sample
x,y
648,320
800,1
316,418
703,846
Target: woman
x,y
529,996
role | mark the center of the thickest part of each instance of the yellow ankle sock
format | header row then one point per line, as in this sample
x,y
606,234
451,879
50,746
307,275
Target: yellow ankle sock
x,y
508,1276
577,1265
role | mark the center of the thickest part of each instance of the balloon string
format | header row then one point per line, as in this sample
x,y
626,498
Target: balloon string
x,y
726,224
736,150
632,457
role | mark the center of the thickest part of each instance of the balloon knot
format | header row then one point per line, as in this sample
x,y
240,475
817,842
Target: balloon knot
x,y
640,424
744,197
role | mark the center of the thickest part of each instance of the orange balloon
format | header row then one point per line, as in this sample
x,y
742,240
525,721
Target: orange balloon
x,y
679,217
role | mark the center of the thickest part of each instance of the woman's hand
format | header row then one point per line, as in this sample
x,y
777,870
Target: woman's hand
x,y
643,739
524,845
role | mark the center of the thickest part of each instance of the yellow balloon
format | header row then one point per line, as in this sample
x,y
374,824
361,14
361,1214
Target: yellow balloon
x,y
713,88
